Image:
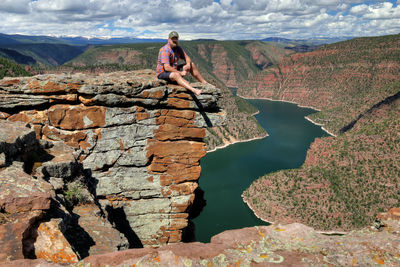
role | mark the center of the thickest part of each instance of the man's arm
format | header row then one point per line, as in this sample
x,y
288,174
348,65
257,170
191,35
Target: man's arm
x,y
187,59
169,68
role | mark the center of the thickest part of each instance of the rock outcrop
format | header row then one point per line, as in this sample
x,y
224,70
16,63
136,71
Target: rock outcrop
x,y
275,245
106,161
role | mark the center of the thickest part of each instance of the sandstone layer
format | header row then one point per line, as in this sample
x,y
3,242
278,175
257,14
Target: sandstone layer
x,y
114,159
275,245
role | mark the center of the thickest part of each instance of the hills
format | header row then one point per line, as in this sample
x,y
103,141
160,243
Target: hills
x,y
345,180
310,41
41,54
342,79
32,50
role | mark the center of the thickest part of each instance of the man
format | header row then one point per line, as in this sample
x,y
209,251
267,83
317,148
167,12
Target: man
x,y
167,64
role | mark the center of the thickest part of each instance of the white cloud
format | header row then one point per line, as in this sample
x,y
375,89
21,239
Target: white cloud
x,y
229,19
383,11
359,10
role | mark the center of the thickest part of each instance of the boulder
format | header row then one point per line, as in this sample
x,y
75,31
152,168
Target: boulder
x,y
23,201
51,245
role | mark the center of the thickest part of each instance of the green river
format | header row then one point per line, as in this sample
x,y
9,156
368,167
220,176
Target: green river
x,y
227,172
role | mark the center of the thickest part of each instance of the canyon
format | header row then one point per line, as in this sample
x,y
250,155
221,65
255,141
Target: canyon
x,y
82,125
347,179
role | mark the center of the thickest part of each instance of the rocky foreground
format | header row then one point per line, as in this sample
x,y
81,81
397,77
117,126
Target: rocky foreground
x,y
91,164
275,245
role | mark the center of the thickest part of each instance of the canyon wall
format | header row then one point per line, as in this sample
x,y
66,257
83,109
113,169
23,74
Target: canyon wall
x,y
342,79
114,157
348,178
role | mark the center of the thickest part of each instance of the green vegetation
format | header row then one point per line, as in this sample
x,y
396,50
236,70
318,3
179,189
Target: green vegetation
x,y
343,80
75,193
8,68
244,106
42,55
348,179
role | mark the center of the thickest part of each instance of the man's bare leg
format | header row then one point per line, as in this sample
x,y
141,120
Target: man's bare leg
x,y
182,82
195,73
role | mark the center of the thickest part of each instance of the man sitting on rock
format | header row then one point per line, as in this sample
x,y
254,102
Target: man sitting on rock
x,y
167,64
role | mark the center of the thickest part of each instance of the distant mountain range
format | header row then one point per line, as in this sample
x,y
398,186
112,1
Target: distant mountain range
x,y
309,41
102,41
6,39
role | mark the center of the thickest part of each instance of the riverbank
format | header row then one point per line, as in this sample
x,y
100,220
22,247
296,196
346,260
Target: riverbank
x,y
237,141
270,222
254,212
300,106
228,143
279,100
322,127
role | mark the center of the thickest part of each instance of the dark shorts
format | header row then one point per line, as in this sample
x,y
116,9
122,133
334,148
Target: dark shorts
x,y
165,75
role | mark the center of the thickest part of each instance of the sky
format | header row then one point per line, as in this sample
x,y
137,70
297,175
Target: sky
x,y
206,19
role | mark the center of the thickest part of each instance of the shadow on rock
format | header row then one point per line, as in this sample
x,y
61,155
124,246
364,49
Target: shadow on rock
x,y
79,239
188,234
117,217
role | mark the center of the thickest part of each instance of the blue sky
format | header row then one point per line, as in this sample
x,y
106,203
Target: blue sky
x,y
217,19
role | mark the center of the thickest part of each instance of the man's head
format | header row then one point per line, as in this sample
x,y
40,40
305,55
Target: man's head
x,y
173,39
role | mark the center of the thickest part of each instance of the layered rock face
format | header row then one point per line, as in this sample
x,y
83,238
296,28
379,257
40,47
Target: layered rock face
x,y
123,159
223,67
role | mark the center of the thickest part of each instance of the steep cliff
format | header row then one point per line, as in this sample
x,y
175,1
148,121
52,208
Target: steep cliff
x,y
115,158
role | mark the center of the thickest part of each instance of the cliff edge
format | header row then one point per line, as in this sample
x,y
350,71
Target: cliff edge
x,y
98,163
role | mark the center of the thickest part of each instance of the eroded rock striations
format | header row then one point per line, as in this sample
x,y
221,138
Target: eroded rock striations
x,y
106,162
275,245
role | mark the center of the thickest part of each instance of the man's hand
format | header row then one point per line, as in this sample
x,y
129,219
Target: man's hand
x,y
187,67
183,73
